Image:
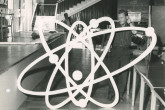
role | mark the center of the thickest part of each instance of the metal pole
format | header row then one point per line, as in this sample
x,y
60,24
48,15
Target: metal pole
x,y
149,19
1,26
35,6
12,16
149,25
56,14
56,10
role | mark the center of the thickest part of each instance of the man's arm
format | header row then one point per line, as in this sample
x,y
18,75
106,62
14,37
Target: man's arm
x,y
131,25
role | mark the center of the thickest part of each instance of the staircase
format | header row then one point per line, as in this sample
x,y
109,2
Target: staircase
x,y
77,8
71,11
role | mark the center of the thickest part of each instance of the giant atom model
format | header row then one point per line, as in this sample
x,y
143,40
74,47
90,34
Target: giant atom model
x,y
75,89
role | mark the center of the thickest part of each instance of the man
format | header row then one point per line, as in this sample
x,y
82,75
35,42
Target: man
x,y
120,53
67,20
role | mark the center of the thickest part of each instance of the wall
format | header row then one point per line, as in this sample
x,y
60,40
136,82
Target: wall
x,y
28,15
135,5
24,21
100,9
16,24
158,22
143,6
10,4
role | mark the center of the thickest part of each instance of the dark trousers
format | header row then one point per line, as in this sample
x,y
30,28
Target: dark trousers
x,y
117,58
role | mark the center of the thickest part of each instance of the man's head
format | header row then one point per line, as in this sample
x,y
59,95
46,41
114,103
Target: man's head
x,y
122,17
66,15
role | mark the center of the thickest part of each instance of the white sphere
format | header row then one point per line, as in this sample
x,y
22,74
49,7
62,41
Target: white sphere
x,y
94,23
77,75
82,103
53,58
150,31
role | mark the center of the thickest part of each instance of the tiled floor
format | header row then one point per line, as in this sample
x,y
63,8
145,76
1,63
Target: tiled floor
x,y
80,60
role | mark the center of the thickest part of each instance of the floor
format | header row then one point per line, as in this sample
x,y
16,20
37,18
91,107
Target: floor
x,y
18,37
80,60
11,54
26,38
21,46
39,104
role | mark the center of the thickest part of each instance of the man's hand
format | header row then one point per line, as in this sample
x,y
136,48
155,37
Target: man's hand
x,y
131,25
129,20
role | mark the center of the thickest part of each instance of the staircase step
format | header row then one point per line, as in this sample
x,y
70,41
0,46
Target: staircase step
x,y
77,8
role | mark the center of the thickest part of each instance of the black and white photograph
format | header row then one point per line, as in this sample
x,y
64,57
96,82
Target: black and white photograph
x,y
82,54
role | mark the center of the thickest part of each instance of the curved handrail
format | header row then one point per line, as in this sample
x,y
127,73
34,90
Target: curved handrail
x,y
148,82
144,77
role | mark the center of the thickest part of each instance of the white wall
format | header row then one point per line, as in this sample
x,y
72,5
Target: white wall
x,y
16,20
10,4
28,15
25,7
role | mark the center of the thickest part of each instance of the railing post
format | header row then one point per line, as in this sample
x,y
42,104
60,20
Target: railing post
x,y
134,86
